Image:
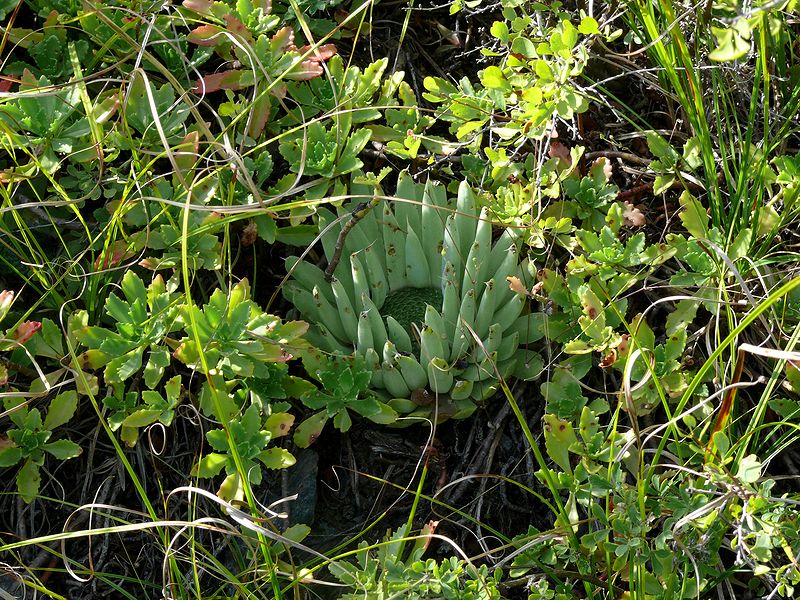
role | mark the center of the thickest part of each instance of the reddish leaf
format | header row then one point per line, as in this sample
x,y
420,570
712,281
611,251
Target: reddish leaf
x,y
308,69
515,285
609,358
260,115
601,164
249,234
279,91
264,5
206,35
201,6
28,81
236,27
26,331
6,300
151,264
283,40
322,53
226,80
113,255
448,34
5,84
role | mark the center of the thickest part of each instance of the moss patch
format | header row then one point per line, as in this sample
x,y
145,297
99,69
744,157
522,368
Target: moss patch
x,y
407,305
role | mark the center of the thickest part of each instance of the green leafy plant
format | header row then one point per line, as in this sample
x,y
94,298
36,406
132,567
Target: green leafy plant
x,y
232,336
52,123
250,434
664,535
384,571
32,438
320,151
166,115
422,297
142,321
130,411
533,83
345,381
249,23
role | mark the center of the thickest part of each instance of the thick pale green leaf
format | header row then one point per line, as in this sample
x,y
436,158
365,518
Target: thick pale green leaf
x,y
210,465
308,431
682,316
588,26
749,469
768,219
784,407
499,30
385,416
558,437
297,533
342,421
297,235
63,449
123,367
92,337
279,424
129,435
662,183
61,409
493,78
173,390
187,353
741,244
231,488
133,288
693,216
142,418
156,363
693,152
217,398
28,480
10,455
721,443
93,359
276,458
733,42
661,149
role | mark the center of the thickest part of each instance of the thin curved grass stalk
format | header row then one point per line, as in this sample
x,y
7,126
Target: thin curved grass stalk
x,y
721,348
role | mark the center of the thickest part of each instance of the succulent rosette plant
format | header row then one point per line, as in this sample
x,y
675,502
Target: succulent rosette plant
x,y
421,293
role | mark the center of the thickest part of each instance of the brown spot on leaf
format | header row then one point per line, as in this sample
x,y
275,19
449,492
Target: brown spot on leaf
x,y
623,345
609,359
421,397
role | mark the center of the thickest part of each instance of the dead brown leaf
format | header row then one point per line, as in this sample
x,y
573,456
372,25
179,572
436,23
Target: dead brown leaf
x,y
515,285
633,216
